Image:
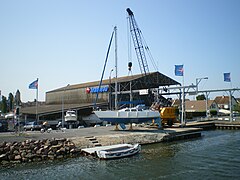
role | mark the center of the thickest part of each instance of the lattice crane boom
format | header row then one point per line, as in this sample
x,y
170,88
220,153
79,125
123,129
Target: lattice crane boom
x,y
137,41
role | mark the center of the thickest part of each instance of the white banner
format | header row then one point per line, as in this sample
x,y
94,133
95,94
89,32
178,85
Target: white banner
x,y
143,91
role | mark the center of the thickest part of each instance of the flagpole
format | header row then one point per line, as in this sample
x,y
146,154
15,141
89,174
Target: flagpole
x,y
37,102
183,102
179,71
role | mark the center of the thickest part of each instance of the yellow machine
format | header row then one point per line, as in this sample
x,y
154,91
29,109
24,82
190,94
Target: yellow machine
x,y
168,115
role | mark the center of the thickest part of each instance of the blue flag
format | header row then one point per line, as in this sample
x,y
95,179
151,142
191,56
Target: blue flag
x,y
178,70
227,77
33,85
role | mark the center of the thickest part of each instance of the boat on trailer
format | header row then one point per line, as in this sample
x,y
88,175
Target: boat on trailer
x,y
71,116
128,115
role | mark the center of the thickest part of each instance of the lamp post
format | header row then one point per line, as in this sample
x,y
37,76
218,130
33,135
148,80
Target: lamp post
x,y
63,105
198,80
110,91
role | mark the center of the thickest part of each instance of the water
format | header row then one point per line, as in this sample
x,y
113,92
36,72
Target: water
x,y
216,155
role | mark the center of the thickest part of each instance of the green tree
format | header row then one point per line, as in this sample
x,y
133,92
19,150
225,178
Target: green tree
x,y
236,107
4,104
201,97
10,102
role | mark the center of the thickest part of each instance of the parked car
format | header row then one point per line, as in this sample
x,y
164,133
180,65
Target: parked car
x,y
3,126
32,126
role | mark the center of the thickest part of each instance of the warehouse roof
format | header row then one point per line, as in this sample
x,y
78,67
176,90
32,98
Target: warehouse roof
x,y
56,108
151,80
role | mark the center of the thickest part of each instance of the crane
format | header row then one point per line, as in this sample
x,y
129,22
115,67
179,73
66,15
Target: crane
x,y
137,41
140,45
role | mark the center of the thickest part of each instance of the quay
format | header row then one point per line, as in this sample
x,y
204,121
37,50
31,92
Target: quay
x,y
103,136
140,135
215,124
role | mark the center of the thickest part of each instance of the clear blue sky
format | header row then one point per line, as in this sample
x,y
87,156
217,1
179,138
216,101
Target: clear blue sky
x,y
65,41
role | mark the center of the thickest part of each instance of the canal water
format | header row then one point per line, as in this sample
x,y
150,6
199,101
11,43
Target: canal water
x,y
216,155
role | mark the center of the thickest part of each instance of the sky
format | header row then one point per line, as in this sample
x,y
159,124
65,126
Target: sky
x,y
65,41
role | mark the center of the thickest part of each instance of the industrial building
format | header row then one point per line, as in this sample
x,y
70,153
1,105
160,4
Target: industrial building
x,y
131,90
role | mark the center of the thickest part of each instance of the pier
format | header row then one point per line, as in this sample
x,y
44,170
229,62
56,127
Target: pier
x,y
215,124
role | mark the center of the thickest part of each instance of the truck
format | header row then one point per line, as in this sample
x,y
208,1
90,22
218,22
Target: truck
x,y
168,115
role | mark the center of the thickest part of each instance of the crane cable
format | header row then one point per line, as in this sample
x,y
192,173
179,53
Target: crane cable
x,y
149,53
144,44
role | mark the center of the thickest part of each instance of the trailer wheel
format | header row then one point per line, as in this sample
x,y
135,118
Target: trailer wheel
x,y
170,122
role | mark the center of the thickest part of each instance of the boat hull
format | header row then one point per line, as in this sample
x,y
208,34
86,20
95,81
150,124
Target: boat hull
x,y
70,119
127,117
125,151
91,119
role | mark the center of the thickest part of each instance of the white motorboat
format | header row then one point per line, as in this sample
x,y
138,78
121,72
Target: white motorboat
x,y
118,151
70,116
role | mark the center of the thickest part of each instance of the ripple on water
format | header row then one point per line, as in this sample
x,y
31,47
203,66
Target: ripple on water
x,y
214,156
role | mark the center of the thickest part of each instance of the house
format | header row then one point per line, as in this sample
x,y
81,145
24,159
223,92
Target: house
x,y
200,106
197,108
223,102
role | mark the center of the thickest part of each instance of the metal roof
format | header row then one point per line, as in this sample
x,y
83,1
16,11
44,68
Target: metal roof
x,y
56,108
159,80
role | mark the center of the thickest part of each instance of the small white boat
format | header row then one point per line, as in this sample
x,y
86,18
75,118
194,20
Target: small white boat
x,y
122,151
70,116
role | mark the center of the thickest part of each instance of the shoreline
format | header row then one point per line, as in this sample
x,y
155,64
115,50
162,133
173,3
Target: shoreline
x,y
82,138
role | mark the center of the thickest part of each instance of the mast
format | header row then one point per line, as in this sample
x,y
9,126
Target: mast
x,y
116,69
105,63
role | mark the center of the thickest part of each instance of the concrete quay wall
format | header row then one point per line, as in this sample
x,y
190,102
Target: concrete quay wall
x,y
153,136
105,140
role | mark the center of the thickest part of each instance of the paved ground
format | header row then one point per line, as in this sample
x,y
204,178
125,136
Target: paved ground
x,y
90,131
69,133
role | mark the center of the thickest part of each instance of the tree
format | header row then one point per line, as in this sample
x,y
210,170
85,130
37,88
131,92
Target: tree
x,y
237,107
10,102
18,98
4,104
201,97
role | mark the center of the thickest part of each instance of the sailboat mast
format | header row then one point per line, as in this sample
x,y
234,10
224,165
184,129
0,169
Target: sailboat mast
x,y
105,63
116,69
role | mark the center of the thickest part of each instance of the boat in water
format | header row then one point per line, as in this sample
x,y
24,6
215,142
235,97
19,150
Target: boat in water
x,y
71,116
118,151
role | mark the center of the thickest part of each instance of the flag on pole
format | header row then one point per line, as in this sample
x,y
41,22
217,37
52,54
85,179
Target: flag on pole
x,y
179,70
33,85
227,77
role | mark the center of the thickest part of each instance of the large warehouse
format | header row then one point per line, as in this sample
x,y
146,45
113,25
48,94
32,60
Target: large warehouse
x,y
82,97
